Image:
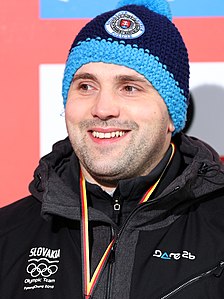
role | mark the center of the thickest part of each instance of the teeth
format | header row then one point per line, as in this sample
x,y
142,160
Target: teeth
x,y
107,135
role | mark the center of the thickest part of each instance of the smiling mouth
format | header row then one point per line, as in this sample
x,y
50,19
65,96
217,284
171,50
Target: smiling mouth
x,y
108,135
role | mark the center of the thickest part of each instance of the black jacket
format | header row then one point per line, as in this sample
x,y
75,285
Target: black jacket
x,y
170,247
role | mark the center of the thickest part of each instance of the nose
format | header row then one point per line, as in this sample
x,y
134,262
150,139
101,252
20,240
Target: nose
x,y
106,105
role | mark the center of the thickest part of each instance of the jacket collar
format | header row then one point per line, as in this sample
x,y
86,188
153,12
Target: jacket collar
x,y
56,182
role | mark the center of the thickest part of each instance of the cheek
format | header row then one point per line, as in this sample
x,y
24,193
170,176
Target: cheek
x,y
144,113
151,116
70,114
75,111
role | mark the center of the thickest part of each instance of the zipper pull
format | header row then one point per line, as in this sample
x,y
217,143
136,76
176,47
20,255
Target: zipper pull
x,y
111,259
117,208
117,205
219,269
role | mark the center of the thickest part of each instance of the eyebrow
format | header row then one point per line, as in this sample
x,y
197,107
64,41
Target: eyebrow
x,y
132,78
84,76
118,78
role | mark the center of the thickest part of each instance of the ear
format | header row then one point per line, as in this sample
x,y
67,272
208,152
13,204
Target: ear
x,y
171,127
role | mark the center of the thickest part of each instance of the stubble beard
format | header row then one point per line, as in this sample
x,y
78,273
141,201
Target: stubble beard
x,y
137,158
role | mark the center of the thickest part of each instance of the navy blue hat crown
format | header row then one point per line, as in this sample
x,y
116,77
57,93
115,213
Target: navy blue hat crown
x,y
139,34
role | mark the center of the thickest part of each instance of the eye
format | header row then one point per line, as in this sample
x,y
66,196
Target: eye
x,y
130,89
85,87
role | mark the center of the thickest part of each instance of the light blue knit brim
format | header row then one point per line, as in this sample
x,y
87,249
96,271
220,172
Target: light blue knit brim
x,y
140,60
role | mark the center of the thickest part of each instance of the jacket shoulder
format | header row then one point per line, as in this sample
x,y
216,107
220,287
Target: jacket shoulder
x,y
212,209
18,214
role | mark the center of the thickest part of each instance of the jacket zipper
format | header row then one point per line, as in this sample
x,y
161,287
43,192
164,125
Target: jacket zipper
x,y
111,261
217,271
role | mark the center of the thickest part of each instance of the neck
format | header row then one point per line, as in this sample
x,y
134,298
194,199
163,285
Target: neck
x,y
109,186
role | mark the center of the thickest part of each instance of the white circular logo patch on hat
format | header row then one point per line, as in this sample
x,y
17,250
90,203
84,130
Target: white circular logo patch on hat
x,y
125,25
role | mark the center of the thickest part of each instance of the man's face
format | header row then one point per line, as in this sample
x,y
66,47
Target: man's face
x,y
117,123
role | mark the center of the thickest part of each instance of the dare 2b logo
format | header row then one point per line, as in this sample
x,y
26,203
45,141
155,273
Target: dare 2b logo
x,y
174,255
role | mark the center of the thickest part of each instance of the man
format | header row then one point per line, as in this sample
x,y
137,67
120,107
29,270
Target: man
x,y
127,206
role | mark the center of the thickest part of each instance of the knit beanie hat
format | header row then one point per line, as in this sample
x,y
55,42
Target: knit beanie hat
x,y
139,34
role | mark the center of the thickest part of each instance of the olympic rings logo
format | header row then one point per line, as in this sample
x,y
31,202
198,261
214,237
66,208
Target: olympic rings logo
x,y
41,269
